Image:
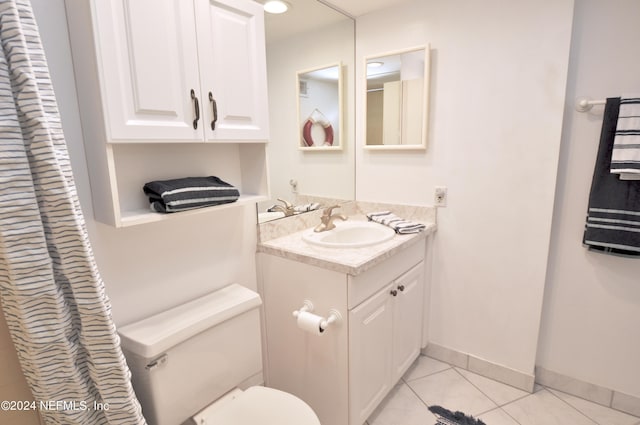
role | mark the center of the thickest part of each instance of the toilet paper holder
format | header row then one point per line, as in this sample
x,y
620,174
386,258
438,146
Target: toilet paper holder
x,y
334,315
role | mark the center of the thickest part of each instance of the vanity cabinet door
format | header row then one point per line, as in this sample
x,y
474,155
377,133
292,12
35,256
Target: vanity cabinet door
x,y
147,55
231,48
407,320
370,354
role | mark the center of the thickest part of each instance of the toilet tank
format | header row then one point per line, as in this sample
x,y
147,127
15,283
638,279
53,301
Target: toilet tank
x,y
184,358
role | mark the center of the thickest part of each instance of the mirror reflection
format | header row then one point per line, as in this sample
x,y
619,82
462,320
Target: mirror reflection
x,y
320,107
310,37
396,100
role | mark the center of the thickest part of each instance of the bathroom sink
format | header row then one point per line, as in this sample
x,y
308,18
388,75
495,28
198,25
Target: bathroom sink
x,y
350,234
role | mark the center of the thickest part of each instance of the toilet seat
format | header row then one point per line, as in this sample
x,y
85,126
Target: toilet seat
x,y
259,405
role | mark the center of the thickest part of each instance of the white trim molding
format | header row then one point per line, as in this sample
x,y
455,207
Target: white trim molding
x,y
482,367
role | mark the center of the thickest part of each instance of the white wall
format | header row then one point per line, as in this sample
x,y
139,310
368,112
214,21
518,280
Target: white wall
x,y
496,107
591,317
326,174
498,79
150,267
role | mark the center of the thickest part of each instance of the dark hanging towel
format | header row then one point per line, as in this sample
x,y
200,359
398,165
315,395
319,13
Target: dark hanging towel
x,y
613,218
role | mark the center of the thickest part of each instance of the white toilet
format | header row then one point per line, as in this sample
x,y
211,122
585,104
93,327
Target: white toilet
x,y
201,363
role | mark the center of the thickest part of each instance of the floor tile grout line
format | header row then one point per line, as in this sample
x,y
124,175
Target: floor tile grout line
x,y
455,368
509,415
606,406
416,394
428,374
478,388
501,409
498,406
406,382
573,407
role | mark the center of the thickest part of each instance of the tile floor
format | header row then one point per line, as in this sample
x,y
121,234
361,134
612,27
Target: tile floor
x,y
430,382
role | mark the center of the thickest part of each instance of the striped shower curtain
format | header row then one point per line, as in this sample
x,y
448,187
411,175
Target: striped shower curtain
x,y
53,298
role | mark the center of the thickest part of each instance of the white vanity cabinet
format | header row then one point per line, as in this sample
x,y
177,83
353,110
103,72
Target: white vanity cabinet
x,y
385,336
157,80
344,373
371,328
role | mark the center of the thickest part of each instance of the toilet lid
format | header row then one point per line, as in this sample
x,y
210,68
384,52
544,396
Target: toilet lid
x,y
264,406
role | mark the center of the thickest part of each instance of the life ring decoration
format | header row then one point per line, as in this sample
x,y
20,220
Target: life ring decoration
x,y
317,117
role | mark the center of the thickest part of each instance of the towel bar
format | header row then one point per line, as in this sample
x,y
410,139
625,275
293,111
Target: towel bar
x,y
585,104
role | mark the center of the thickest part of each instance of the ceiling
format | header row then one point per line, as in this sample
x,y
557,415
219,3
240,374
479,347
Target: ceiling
x,y
306,15
361,7
303,16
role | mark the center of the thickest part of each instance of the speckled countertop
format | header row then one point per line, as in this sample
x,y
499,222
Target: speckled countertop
x,y
351,261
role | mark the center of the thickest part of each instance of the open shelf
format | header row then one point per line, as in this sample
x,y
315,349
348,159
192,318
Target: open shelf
x,y
121,202
136,217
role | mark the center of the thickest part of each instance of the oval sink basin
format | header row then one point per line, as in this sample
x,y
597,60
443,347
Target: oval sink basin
x,y
350,234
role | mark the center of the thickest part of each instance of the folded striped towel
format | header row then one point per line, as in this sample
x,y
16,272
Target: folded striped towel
x,y
625,158
307,207
398,224
187,193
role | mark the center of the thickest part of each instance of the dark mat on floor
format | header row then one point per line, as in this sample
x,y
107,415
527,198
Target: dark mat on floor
x,y
447,417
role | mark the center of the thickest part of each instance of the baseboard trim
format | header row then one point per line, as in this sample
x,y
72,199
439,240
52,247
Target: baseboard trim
x,y
604,396
482,367
588,391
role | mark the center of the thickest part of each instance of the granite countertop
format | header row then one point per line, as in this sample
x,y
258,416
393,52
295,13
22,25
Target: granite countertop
x,y
351,261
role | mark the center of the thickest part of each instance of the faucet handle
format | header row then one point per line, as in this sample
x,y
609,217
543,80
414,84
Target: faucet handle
x,y
329,210
286,203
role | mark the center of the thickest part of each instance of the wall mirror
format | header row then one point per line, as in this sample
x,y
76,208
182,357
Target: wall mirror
x,y
309,39
320,108
397,99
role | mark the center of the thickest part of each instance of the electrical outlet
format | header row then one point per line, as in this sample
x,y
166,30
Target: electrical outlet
x,y
440,196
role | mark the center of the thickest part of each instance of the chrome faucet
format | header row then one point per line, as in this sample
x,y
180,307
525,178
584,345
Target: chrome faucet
x,y
326,221
285,208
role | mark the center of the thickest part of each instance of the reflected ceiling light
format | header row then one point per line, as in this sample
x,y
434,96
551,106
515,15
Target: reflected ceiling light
x,y
275,6
375,64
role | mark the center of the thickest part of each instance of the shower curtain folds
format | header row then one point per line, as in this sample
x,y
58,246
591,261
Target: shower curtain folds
x,y
58,314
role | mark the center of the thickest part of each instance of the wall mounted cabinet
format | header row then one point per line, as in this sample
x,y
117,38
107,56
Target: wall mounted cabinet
x,y
168,89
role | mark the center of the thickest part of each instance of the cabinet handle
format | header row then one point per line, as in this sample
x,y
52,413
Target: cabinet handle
x,y
401,288
214,107
394,292
197,108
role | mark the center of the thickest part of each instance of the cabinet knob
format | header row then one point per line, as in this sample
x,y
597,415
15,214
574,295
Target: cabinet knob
x,y
394,292
401,288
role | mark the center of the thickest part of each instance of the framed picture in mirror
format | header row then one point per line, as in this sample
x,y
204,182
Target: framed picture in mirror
x,y
397,99
320,99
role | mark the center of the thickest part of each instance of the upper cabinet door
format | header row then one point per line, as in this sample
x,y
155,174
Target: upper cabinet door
x,y
147,54
231,48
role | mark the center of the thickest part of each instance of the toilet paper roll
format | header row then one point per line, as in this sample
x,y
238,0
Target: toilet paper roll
x,y
310,322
